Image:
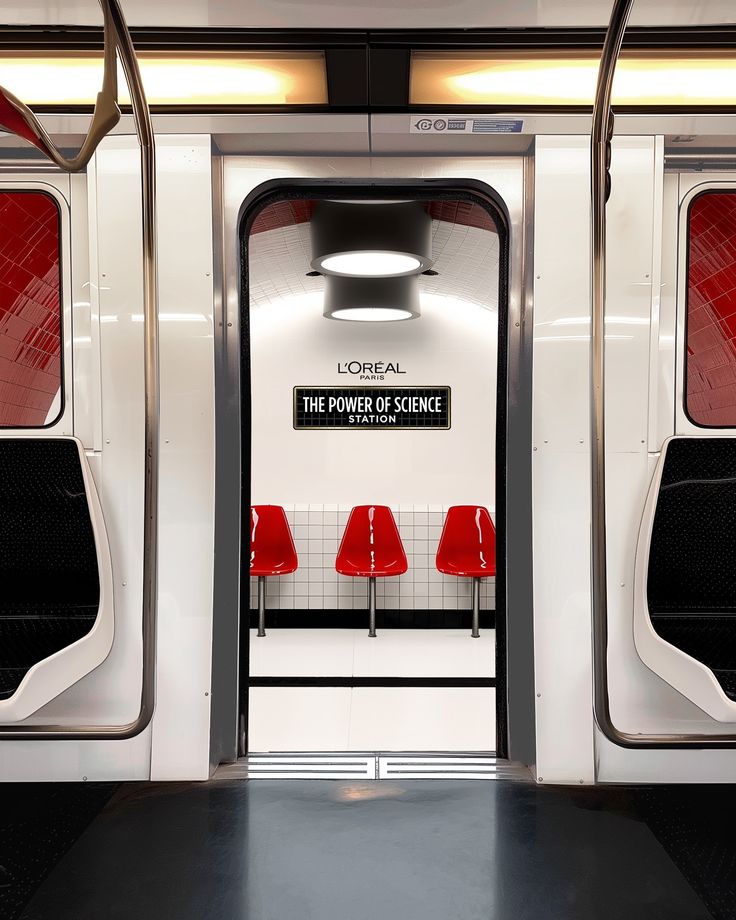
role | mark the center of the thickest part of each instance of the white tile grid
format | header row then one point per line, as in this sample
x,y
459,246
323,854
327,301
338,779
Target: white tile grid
x,y
317,530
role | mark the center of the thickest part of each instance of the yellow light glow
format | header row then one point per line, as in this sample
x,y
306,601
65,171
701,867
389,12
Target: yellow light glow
x,y
535,79
193,80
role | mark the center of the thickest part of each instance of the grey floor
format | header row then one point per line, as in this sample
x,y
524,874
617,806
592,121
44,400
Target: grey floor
x,y
411,850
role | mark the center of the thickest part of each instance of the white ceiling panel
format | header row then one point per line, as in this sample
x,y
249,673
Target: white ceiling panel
x,y
377,14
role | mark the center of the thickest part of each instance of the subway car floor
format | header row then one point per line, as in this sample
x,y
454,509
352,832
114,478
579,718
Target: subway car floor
x,y
321,849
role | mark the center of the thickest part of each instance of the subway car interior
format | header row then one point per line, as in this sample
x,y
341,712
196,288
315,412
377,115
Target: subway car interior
x,y
367,460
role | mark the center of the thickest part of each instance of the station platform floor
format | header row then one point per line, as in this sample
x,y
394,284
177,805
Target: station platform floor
x,y
396,850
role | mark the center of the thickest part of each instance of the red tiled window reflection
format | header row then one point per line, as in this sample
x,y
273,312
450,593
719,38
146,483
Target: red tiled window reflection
x,y
710,390
30,308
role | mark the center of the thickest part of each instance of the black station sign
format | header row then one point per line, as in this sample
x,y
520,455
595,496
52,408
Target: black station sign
x,y
371,407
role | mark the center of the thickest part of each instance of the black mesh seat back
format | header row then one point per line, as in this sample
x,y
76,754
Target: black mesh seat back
x,y
692,557
48,559
691,584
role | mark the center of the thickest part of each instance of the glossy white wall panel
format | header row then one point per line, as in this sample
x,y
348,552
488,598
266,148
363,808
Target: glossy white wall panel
x,y
423,719
372,719
453,343
75,761
663,364
85,340
392,653
186,499
631,228
425,653
302,652
561,475
299,719
563,669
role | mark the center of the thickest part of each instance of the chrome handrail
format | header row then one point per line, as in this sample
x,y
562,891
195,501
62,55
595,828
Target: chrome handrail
x,y
118,37
601,135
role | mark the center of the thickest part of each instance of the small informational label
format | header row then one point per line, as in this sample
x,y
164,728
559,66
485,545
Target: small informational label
x,y
371,407
452,124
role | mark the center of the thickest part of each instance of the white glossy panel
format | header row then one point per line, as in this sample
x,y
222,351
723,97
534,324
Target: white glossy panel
x,y
453,343
371,719
663,364
299,719
392,653
186,498
561,482
302,652
422,719
357,14
75,761
425,653
631,230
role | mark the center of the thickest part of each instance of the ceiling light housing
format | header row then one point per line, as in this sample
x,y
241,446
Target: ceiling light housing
x,y
371,299
371,240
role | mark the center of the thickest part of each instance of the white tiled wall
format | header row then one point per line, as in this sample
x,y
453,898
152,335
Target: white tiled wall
x,y
317,530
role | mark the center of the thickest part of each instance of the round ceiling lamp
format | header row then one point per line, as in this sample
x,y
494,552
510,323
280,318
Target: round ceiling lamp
x,y
371,300
371,240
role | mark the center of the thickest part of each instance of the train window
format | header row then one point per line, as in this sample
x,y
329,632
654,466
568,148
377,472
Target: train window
x,y
30,309
710,386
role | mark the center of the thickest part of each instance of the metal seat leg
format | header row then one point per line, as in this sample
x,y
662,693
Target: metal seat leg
x,y
372,607
476,608
261,605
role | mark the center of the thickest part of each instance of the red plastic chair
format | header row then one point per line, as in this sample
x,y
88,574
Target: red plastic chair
x,y
272,551
467,549
371,548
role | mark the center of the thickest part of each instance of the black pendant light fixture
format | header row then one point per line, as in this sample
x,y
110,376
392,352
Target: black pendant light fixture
x,y
371,299
371,239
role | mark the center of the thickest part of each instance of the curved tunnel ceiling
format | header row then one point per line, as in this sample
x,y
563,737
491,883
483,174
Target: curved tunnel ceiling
x,y
465,247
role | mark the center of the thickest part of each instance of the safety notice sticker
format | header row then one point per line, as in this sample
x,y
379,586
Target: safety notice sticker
x,y
452,124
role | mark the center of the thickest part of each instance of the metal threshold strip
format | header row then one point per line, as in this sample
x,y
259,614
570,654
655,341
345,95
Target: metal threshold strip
x,y
374,766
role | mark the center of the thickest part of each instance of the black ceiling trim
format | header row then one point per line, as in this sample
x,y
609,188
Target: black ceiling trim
x,y
79,38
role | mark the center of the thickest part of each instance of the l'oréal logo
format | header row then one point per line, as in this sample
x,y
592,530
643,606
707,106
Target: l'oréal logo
x,y
369,370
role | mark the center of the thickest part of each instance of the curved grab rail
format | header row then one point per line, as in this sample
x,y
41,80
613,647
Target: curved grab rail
x,y
601,134
118,41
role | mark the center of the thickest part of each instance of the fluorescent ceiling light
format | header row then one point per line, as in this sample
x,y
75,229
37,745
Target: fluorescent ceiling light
x,y
226,78
371,264
371,240
372,314
510,79
371,300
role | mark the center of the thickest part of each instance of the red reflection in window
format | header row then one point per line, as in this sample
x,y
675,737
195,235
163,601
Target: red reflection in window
x,y
30,308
